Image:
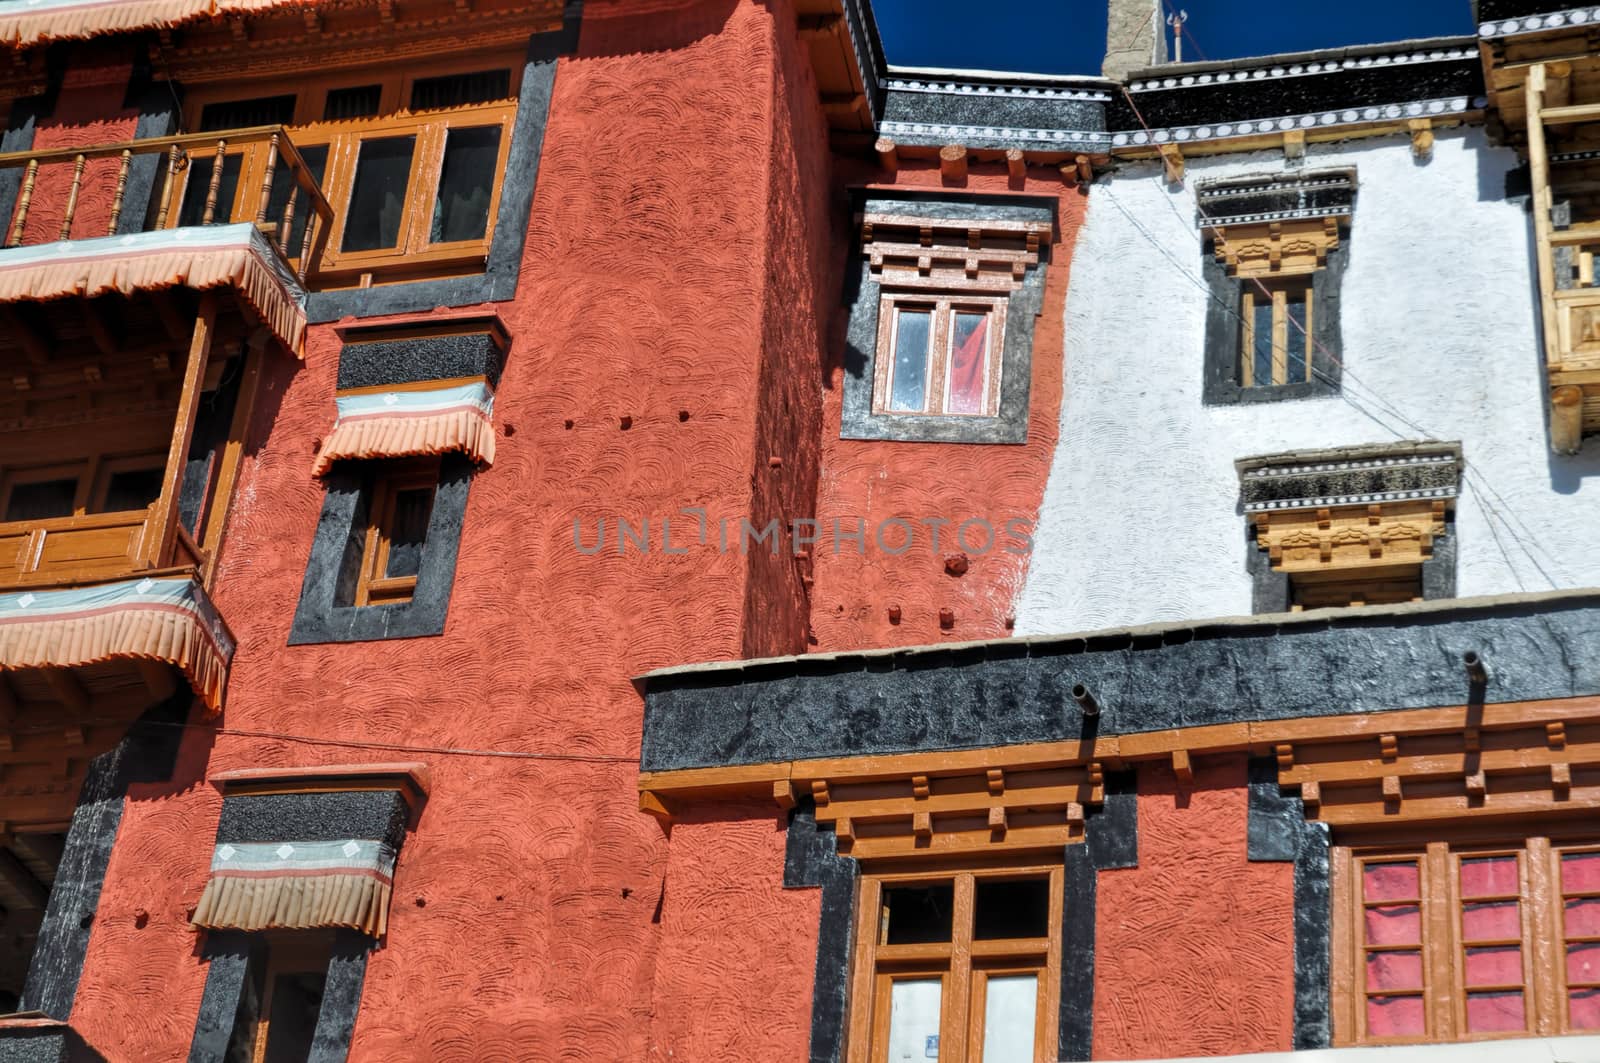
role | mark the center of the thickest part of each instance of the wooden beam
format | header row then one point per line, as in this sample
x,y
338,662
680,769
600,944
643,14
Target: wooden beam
x,y
1294,144
953,162
28,337
99,331
1422,138
164,528
158,678
1570,115
68,689
171,317
651,805
20,881
1016,164
45,848
1543,202
888,155
1172,159
783,793
1566,419
1085,167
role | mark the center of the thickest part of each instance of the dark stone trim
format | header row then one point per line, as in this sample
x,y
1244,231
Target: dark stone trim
x,y
811,860
1023,307
1252,200
233,958
1016,691
1313,941
158,117
315,817
336,555
1224,336
1080,884
1342,476
1112,833
873,67
61,1044
1439,571
147,753
387,362
498,282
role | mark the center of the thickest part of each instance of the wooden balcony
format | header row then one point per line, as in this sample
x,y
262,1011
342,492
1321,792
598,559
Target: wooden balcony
x,y
246,175
66,551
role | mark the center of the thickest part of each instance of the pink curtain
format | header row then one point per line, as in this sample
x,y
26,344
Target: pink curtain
x,y
966,368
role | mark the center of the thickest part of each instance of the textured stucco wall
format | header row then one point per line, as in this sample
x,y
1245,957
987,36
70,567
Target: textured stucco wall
x,y
1141,523
528,910
877,480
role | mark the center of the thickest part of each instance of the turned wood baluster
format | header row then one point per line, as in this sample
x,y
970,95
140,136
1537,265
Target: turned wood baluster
x,y
26,198
166,187
72,196
313,223
288,217
266,180
216,183
122,190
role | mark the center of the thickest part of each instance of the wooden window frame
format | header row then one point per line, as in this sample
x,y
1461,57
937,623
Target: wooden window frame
x,y
285,952
1351,578
372,586
936,392
413,255
1284,344
104,469
963,965
1543,939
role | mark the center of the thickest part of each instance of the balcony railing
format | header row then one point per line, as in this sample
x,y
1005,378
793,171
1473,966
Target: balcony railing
x,y
66,550
245,175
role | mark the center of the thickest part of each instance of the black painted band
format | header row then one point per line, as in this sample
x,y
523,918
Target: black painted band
x,y
315,817
811,860
1078,915
1313,940
389,362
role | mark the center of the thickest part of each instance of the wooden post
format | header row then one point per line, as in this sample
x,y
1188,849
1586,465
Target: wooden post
x,y
1085,169
1016,164
288,217
1539,167
266,180
953,162
1566,419
122,190
23,202
215,522
72,196
888,155
166,187
217,166
160,537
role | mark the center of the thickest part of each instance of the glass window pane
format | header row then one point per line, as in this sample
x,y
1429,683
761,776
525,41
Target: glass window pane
x,y
1583,918
42,500
1585,1009
1394,925
378,196
913,333
1490,877
1396,1017
1009,1008
914,1020
1261,352
1495,966
1583,964
1011,910
198,188
409,532
1491,922
1580,872
1390,882
1298,338
969,363
296,1000
1495,1012
1394,970
918,915
132,489
316,160
466,180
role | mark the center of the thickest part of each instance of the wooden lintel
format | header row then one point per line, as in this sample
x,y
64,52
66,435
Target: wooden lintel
x,y
953,162
1422,137
888,155
21,881
1294,144
1016,163
68,689
1566,419
651,805
783,793
1172,159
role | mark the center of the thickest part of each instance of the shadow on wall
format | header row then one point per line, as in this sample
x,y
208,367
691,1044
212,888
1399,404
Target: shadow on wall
x,y
627,27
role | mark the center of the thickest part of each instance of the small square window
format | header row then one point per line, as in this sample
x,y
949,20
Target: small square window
x,y
940,356
397,531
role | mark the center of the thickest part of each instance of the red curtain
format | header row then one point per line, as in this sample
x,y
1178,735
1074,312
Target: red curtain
x,y
966,369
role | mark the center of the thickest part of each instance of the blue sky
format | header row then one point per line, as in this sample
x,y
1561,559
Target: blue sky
x,y
1068,36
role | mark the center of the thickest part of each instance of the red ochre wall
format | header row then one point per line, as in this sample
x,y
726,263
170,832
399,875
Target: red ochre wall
x,y
878,481
537,914
1194,950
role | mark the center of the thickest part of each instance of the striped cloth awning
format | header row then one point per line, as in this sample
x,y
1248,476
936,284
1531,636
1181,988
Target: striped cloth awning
x,y
27,22
169,620
215,256
389,423
299,885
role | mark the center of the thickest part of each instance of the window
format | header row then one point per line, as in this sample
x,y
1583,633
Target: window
x,y
103,485
410,162
1342,589
960,966
399,510
940,356
281,999
1277,331
1448,941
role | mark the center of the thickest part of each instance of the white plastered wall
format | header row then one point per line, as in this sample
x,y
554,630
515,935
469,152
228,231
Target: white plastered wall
x,y
1141,518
